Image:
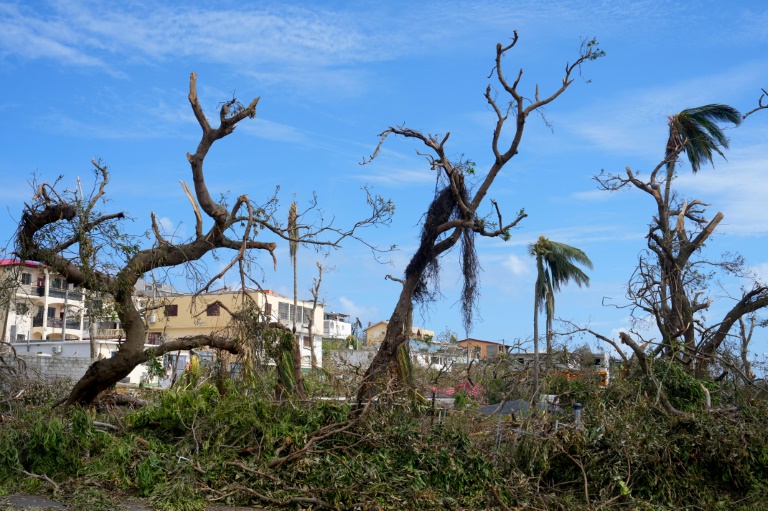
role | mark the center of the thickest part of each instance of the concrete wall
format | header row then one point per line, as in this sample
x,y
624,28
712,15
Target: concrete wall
x,y
49,368
69,359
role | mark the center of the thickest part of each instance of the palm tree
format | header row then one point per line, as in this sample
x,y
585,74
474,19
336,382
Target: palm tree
x,y
555,266
696,133
293,232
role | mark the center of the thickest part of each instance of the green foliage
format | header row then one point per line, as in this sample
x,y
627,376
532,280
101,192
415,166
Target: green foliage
x,y
155,367
683,389
590,48
696,132
195,443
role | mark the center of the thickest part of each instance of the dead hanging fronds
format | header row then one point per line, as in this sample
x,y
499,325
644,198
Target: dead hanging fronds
x,y
293,231
444,207
470,266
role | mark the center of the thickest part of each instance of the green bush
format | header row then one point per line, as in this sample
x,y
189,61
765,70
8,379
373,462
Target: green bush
x,y
194,444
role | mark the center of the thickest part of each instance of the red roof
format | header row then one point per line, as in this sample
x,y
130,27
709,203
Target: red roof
x,y
17,262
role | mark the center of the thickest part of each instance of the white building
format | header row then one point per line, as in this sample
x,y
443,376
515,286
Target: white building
x,y
38,305
336,325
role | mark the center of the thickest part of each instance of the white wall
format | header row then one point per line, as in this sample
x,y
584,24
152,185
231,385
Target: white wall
x,y
78,353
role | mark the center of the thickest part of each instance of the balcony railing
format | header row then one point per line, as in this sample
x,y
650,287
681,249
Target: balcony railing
x,y
72,324
58,293
110,333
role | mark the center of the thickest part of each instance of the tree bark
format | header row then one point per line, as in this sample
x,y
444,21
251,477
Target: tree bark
x,y
105,373
535,349
385,361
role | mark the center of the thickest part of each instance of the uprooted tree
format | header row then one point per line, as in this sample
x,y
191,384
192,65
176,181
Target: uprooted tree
x,y
453,214
65,230
670,286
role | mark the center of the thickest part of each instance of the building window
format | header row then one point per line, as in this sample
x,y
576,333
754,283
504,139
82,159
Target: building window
x,y
307,342
51,312
297,316
26,279
56,284
153,338
212,310
268,310
172,310
282,312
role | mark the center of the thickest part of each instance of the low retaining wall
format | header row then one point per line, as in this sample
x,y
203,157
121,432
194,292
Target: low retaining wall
x,y
50,368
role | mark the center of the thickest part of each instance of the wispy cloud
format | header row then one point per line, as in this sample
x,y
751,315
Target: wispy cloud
x,y
397,177
517,265
109,114
761,270
738,188
26,35
356,310
271,130
595,195
172,231
577,234
633,122
287,37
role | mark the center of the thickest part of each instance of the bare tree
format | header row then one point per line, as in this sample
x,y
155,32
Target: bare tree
x,y
453,215
746,330
66,231
670,283
315,292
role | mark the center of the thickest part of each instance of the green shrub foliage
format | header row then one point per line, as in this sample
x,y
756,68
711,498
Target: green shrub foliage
x,y
194,446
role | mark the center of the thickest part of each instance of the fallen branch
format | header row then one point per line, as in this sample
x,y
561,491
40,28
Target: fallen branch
x,y
251,470
122,400
42,477
321,434
306,501
105,426
646,368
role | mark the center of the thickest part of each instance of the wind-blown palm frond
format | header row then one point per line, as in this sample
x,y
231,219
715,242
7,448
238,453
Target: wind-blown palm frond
x,y
556,265
696,132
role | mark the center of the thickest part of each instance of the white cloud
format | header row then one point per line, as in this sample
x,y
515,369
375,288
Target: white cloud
x,y
271,130
578,235
762,271
633,122
738,188
517,265
287,37
397,177
170,230
364,313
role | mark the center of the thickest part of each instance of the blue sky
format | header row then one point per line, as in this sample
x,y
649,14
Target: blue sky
x,y
87,79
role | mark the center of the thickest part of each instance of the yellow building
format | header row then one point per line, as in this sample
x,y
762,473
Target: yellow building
x,y
38,304
182,315
374,334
